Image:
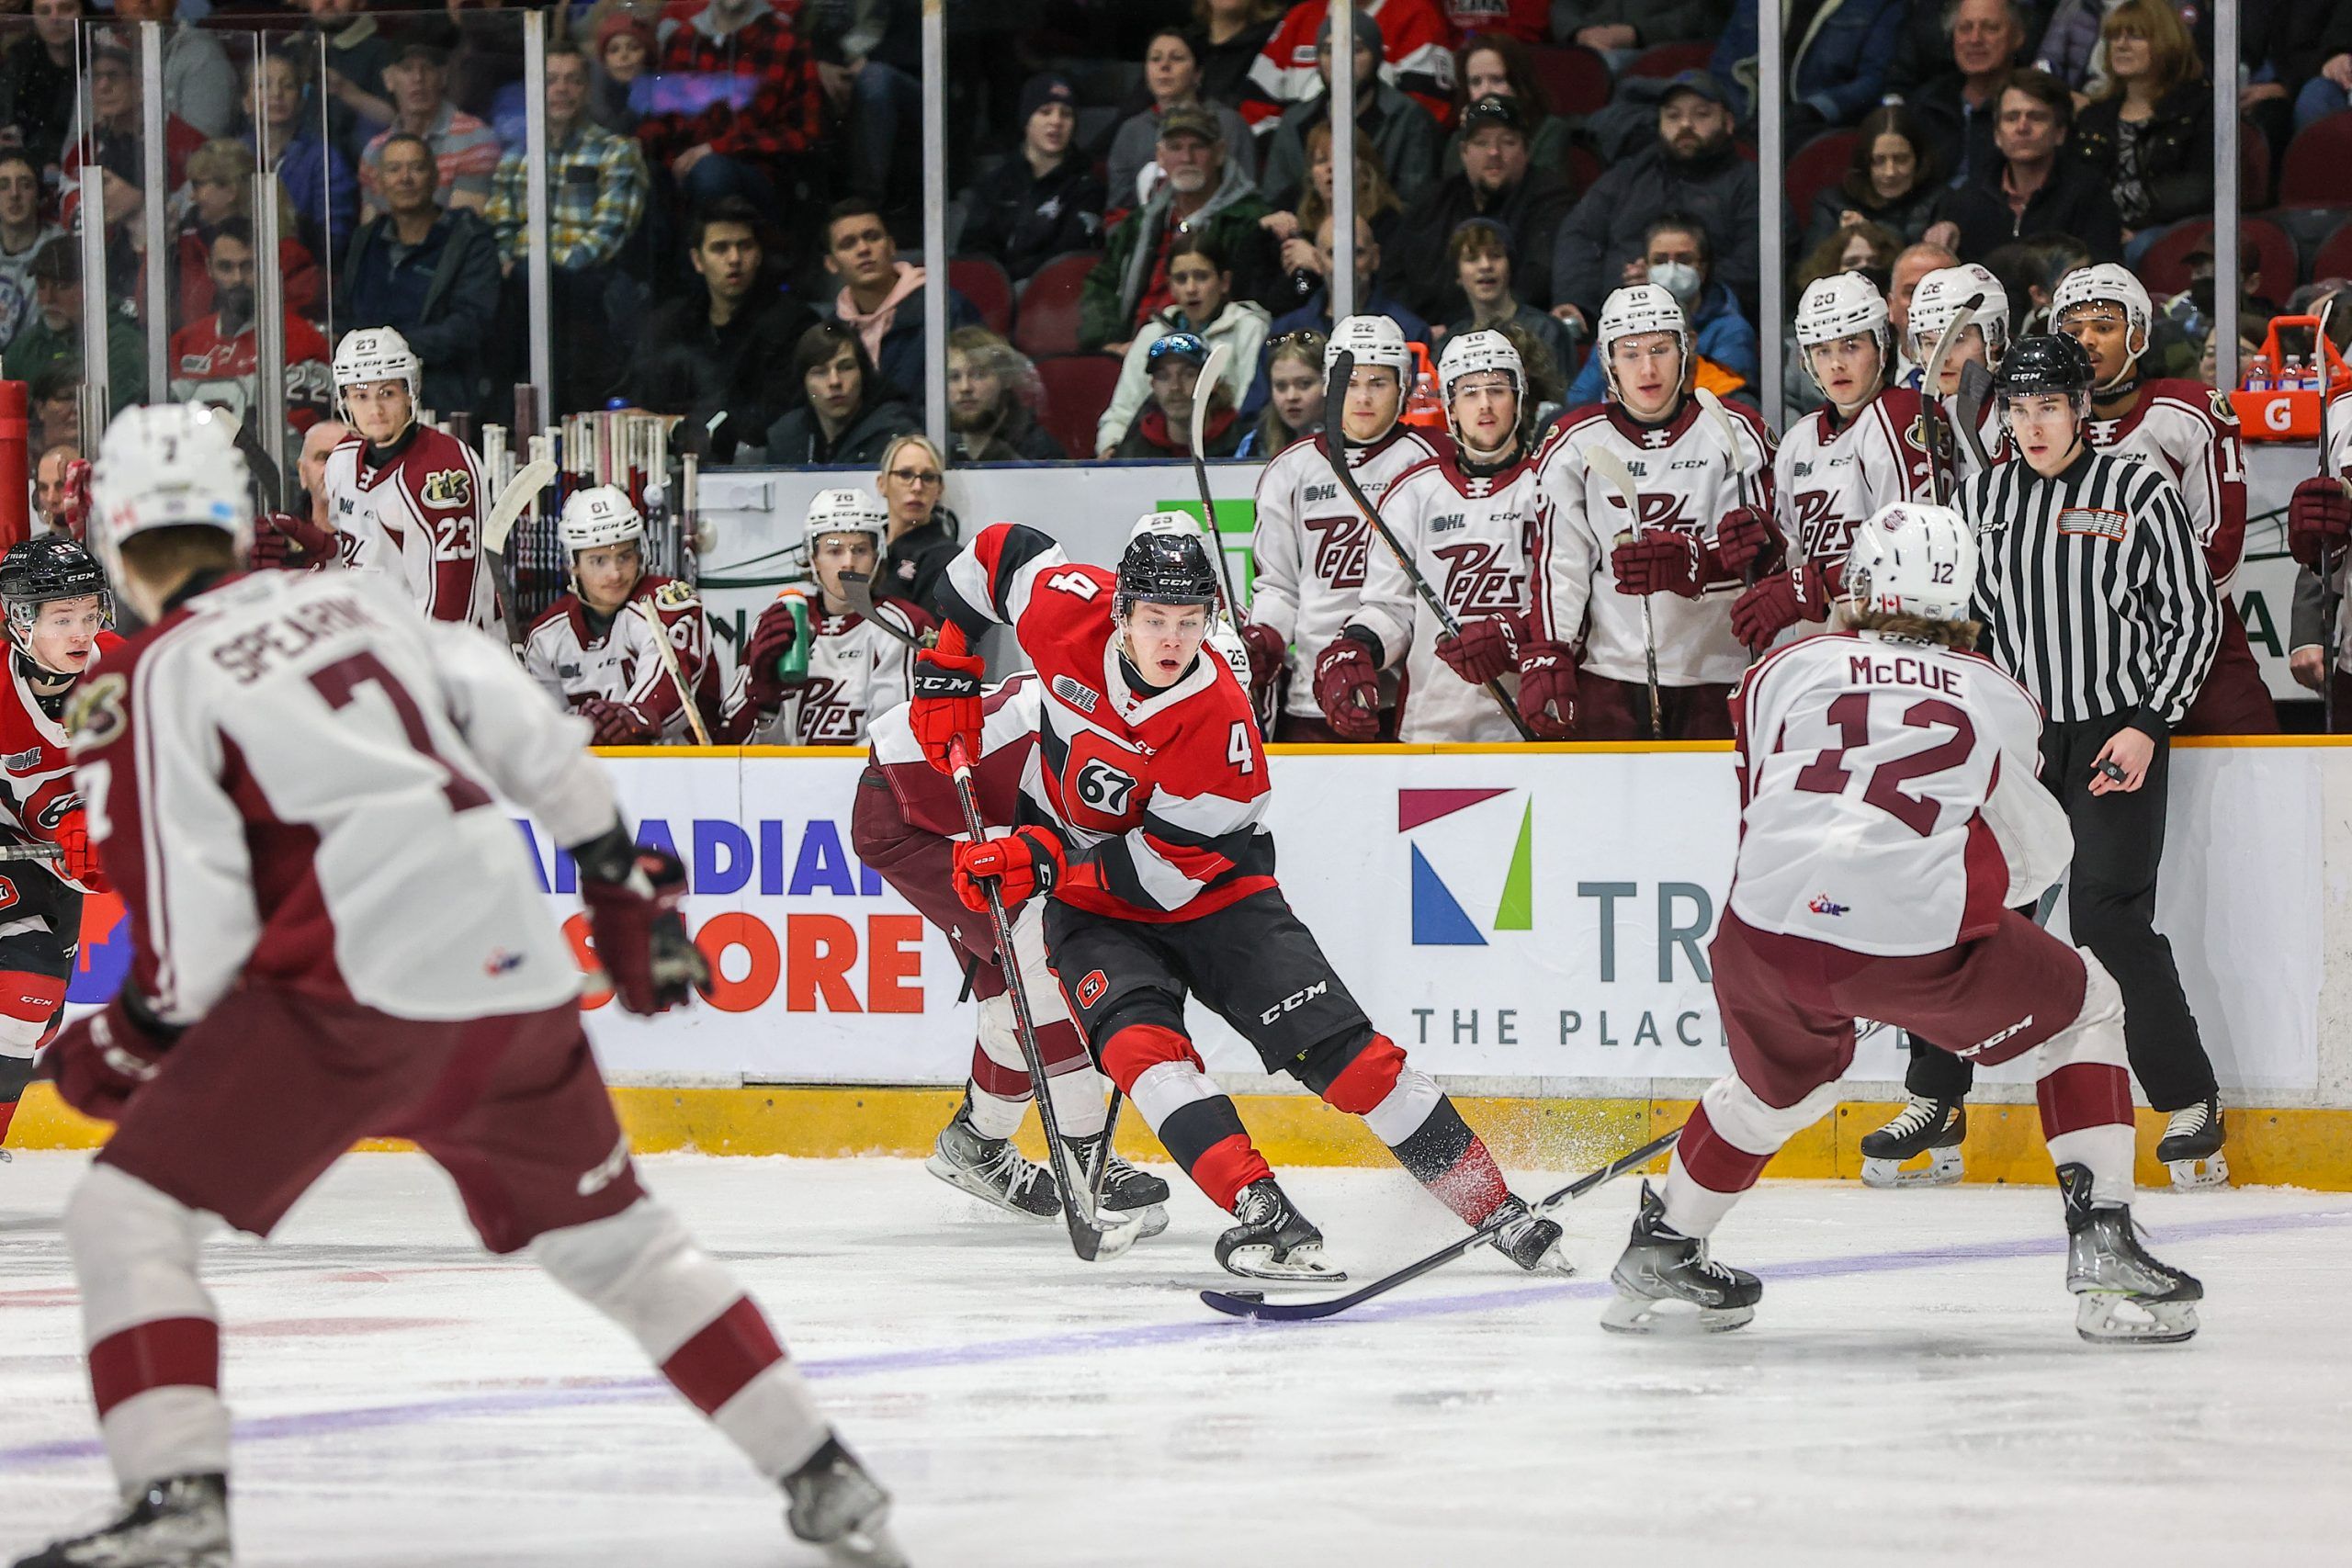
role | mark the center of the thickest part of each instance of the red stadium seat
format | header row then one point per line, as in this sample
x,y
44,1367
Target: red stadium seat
x,y
1575,80
2312,174
2254,167
983,281
1585,167
2335,258
1048,320
2165,269
1818,164
1664,59
1076,389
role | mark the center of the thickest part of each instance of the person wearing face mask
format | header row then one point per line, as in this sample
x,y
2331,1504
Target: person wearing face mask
x,y
216,360
1679,259
1599,569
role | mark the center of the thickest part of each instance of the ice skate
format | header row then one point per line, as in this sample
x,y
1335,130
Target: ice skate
x,y
1931,1127
1273,1240
833,1504
181,1521
2122,1295
2191,1147
1662,1269
1136,1197
991,1170
1529,1239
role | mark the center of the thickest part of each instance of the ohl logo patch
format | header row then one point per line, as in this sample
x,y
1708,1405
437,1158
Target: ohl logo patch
x,y
1469,843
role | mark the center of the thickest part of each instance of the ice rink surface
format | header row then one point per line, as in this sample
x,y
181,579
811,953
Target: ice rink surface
x,y
1911,1390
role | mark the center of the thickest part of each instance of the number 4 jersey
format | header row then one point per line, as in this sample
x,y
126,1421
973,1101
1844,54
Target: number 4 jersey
x,y
1160,795
1889,798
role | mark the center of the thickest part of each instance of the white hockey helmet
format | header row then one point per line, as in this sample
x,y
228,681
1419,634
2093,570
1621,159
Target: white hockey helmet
x,y
168,466
598,517
1169,522
845,511
1938,300
1374,340
1913,560
369,354
1632,311
1844,304
2102,282
1473,353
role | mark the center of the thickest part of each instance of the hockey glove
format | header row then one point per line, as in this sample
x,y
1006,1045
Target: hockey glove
x,y
1486,651
278,536
1547,689
619,724
633,895
945,712
101,1060
1347,688
77,857
1780,602
1742,536
773,637
1268,653
1665,561
2319,519
1026,864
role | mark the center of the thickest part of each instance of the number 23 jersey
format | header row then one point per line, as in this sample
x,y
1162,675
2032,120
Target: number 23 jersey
x,y
415,517
1161,797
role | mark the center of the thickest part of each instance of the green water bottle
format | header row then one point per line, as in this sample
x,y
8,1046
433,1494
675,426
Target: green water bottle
x,y
793,667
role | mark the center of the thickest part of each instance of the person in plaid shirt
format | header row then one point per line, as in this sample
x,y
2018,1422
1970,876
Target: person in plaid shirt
x,y
737,95
464,150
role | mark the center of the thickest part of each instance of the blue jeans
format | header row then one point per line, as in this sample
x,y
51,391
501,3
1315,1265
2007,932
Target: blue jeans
x,y
2319,98
886,119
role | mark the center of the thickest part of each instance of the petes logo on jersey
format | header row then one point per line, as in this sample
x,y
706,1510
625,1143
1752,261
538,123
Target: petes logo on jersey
x,y
447,488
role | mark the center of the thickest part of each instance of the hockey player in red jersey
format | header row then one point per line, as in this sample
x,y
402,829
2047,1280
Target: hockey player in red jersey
x,y
1144,826
1632,592
2192,433
593,648
406,500
1935,305
59,611
1890,822
1865,448
337,933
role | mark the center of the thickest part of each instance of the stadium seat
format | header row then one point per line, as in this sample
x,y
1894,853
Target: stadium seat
x,y
1814,168
2312,174
983,281
1585,167
1575,80
1665,60
2165,269
1047,322
1076,389
2335,258
2254,167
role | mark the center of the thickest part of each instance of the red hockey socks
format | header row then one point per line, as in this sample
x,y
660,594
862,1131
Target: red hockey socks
x,y
1407,1110
1158,1069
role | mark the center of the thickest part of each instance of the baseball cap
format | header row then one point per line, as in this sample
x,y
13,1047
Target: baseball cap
x,y
1177,345
1703,82
59,261
1494,109
1191,119
1367,35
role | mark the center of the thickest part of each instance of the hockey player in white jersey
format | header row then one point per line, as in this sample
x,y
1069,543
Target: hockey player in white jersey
x,y
1312,545
300,787
2319,528
2190,432
1596,568
405,500
1465,515
593,648
1865,448
1935,304
1890,819
832,669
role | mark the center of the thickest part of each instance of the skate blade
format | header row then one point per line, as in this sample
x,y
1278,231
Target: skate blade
x,y
1943,1169
2200,1175
869,1545
1671,1318
955,1176
1148,1220
2101,1318
1304,1263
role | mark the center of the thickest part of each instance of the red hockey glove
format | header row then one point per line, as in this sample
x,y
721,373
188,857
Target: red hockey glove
x,y
100,1061
1664,561
1547,689
773,637
2318,518
1486,650
1347,688
1742,536
945,712
1780,602
1025,864
619,724
633,895
78,858
1268,653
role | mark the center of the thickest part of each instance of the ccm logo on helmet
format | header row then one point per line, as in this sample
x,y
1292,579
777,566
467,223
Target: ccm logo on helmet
x,y
1294,1001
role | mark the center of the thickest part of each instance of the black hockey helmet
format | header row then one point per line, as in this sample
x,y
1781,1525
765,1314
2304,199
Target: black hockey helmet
x,y
2044,364
38,571
1164,565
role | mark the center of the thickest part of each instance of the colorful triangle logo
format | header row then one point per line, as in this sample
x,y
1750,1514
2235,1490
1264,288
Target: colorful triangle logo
x,y
1439,918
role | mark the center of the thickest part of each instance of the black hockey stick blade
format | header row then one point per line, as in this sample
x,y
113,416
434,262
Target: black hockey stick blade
x,y
858,589
1237,1304
1968,404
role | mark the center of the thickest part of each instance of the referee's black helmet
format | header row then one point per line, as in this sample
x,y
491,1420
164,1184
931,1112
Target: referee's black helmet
x,y
2046,363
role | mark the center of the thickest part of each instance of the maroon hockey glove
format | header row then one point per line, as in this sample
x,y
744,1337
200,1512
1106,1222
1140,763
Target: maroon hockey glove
x,y
1665,561
945,712
278,534
633,895
74,510
2318,518
77,857
619,724
1780,602
773,637
1268,653
1026,864
100,1061
1547,689
1347,688
1742,535
1486,651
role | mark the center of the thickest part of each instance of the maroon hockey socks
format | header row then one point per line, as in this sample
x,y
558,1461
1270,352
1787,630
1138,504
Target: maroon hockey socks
x,y
1158,1069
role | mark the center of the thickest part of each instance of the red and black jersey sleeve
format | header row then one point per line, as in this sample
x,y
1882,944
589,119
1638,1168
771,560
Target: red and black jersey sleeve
x,y
995,581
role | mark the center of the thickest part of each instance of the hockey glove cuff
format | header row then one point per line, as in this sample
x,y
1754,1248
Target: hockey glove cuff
x,y
633,895
1026,864
100,1061
1486,650
945,712
1665,561
1268,653
2318,518
1347,688
1547,689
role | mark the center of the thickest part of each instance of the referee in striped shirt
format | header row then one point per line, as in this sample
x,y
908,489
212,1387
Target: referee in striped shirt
x,y
2094,593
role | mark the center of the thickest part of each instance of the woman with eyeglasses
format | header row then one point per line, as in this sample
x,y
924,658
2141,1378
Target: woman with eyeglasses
x,y
846,414
922,534
1294,395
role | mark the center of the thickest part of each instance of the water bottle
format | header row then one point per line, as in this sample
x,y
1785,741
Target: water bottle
x,y
2290,375
793,667
2257,374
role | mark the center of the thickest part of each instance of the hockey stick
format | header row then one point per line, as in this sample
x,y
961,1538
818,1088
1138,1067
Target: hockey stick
x,y
31,850
669,657
1931,409
1612,471
1089,1238
2331,597
1210,373
1334,446
1252,1304
1728,432
518,493
858,589
1976,387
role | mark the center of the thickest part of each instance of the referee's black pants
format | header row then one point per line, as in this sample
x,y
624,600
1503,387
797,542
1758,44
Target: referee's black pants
x,y
2111,910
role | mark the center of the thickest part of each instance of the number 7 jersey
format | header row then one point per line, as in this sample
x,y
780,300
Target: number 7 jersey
x,y
1161,797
